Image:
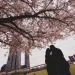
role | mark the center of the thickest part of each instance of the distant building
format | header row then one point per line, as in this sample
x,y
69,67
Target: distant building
x,y
74,56
14,61
27,60
9,63
71,58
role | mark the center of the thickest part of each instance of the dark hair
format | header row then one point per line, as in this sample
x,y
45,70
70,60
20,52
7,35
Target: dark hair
x,y
47,49
52,46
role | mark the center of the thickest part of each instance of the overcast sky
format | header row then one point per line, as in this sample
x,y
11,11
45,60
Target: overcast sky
x,y
38,56
67,46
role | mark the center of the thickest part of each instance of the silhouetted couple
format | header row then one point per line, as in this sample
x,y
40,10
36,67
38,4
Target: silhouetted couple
x,y
56,63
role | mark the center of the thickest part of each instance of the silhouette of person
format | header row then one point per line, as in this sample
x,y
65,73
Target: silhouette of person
x,y
51,67
56,63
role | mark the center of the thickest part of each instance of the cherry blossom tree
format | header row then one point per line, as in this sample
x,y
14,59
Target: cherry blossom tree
x,y
26,24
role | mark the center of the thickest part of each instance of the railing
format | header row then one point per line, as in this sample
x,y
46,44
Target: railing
x,y
35,68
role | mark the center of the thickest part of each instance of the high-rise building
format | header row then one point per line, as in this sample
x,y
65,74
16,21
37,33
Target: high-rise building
x,y
9,63
71,59
74,56
14,61
27,60
18,60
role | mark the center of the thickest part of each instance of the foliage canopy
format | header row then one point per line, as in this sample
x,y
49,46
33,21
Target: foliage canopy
x,y
26,24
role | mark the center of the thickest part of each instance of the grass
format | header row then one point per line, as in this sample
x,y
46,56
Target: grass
x,y
72,69
44,72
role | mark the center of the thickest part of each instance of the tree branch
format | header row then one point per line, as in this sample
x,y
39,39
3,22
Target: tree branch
x,y
10,27
22,31
11,18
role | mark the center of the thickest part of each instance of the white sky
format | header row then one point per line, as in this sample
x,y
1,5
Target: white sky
x,y
38,56
3,56
67,46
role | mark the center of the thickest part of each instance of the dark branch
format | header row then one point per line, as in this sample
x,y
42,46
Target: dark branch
x,y
10,27
22,31
4,42
9,19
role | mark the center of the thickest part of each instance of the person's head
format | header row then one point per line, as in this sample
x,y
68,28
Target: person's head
x,y
48,49
52,47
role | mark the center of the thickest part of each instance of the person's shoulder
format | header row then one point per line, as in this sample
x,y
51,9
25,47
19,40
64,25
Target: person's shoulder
x,y
58,49
47,49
